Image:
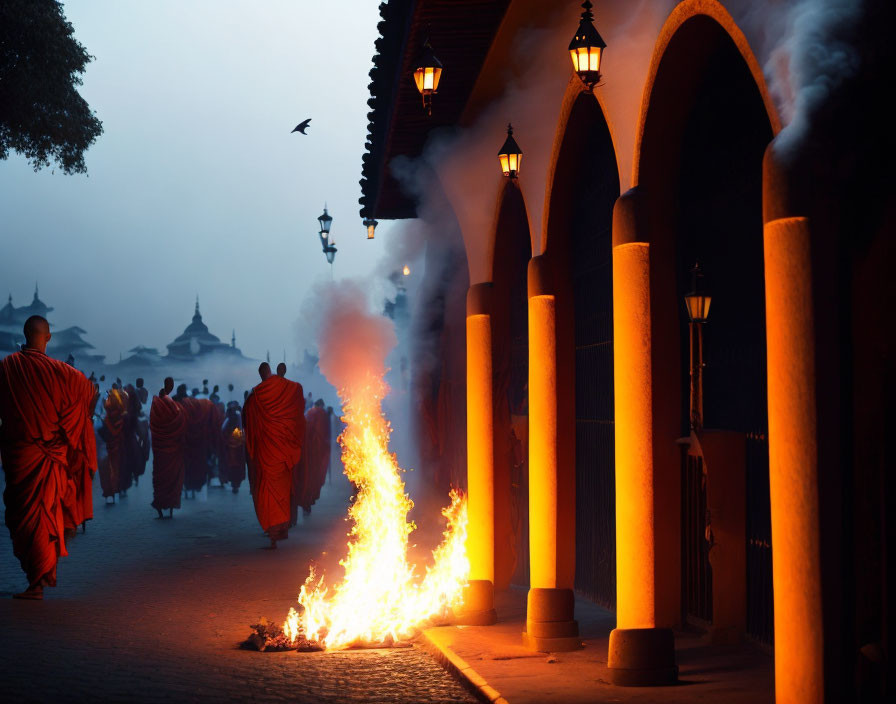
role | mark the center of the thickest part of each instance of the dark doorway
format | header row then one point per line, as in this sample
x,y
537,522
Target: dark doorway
x,y
585,189
510,335
719,224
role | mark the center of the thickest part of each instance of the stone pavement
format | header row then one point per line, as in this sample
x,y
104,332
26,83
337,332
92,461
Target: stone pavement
x,y
493,659
152,610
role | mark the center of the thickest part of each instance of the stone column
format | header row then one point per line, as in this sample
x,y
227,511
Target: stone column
x,y
479,597
550,623
639,653
793,449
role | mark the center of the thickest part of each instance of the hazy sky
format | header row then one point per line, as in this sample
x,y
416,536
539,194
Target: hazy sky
x,y
196,185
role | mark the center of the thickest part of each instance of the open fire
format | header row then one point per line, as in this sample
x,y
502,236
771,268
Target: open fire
x,y
382,598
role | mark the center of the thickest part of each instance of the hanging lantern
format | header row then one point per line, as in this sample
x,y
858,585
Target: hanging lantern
x,y
587,48
330,251
510,155
370,224
325,221
698,300
427,74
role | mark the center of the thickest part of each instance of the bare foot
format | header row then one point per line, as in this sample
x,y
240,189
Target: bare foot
x,y
161,515
35,593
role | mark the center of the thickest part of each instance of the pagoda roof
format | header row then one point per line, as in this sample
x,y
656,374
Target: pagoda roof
x,y
461,33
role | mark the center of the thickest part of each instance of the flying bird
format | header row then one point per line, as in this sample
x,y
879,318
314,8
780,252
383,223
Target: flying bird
x,y
302,126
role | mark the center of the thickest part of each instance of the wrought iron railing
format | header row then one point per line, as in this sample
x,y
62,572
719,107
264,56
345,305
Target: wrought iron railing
x,y
760,596
696,573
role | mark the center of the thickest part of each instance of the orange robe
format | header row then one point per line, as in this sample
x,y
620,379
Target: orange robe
x,y
275,431
112,434
44,406
317,452
168,427
201,433
77,504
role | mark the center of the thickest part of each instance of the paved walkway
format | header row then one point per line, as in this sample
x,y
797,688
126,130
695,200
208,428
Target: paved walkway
x,y
494,659
152,610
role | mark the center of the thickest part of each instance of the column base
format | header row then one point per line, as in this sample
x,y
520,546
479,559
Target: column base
x,y
550,626
478,608
642,657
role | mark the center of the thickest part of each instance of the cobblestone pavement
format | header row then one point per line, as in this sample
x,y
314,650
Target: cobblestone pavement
x,y
153,610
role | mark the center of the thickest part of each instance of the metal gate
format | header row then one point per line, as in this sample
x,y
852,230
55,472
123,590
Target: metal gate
x,y
595,429
696,578
760,595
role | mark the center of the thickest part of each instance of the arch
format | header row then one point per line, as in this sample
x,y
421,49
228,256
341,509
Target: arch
x,y
584,187
575,92
706,120
701,21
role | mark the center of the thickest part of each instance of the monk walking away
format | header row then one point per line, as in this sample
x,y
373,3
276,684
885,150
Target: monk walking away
x,y
275,430
45,414
168,430
233,448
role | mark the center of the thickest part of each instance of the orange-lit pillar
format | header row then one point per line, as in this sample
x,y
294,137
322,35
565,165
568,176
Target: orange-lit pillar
x,y
793,450
479,597
639,653
550,611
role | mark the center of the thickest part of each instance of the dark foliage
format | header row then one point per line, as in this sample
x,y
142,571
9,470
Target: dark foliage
x,y
42,115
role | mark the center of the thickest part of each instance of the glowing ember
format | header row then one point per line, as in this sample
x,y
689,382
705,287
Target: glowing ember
x,y
381,599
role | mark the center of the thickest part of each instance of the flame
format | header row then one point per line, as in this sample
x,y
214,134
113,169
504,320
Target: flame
x,y
381,598
406,271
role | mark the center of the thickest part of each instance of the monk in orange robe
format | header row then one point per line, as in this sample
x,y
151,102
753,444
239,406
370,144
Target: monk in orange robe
x,y
201,432
168,428
317,453
275,431
112,433
233,448
45,412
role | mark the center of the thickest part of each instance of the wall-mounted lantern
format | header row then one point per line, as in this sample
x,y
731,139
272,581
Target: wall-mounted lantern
x,y
370,224
510,155
587,49
427,74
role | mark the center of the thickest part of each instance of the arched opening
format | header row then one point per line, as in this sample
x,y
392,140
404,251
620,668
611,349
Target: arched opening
x,y
510,341
585,189
705,133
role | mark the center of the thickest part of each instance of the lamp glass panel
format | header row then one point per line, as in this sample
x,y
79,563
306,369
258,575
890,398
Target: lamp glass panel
x,y
370,229
436,77
595,56
418,78
575,59
505,167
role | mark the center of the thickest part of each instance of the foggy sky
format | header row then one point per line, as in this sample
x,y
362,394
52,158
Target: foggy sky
x,y
196,185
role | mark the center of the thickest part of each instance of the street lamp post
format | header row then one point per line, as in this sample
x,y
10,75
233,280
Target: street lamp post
x,y
697,304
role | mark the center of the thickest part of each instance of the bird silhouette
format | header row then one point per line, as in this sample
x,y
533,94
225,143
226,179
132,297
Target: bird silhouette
x,y
302,126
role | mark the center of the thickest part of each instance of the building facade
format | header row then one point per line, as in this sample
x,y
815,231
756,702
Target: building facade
x,y
566,342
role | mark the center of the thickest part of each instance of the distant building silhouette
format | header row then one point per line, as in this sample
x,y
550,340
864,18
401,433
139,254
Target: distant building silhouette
x,y
196,342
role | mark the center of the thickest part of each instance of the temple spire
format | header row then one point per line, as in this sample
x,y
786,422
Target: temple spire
x,y
197,304
233,339
35,291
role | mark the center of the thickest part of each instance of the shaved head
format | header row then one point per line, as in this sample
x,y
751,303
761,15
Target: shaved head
x,y
264,370
37,333
281,369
